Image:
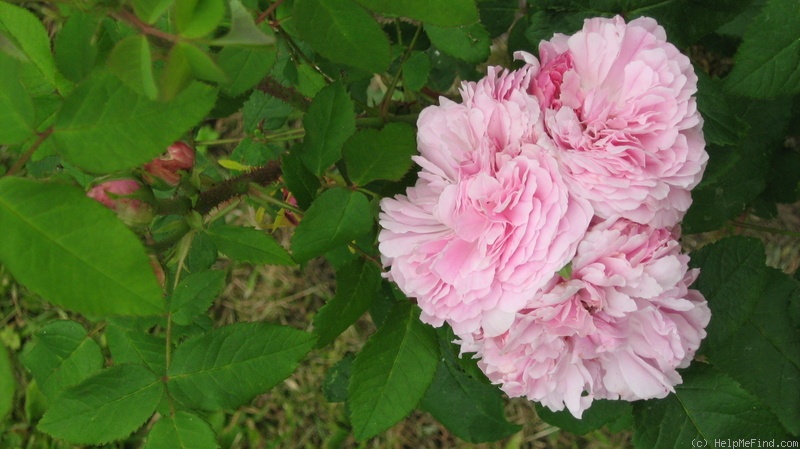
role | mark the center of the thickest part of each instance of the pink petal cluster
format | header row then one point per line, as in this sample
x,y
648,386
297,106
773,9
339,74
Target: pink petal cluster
x,y
617,328
582,163
618,102
124,196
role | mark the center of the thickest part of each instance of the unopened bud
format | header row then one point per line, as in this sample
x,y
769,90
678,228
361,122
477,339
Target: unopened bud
x,y
164,170
125,197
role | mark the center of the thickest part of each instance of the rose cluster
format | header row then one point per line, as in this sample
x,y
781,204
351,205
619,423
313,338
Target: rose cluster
x,y
544,222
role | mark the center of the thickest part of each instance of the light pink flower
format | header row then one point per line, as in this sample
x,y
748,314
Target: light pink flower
x,y
490,219
618,328
618,101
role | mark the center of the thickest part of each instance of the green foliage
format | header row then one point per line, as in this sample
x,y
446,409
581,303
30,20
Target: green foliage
x,y
73,251
336,217
130,61
371,155
768,61
60,356
732,278
480,415
194,295
244,67
448,13
329,122
196,18
614,414
151,10
75,48
7,384
181,431
767,346
103,126
343,32
226,367
137,347
469,43
30,37
264,111
392,372
357,284
300,182
707,406
16,108
107,406
249,245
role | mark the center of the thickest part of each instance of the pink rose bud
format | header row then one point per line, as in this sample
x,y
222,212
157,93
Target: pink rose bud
x,y
165,168
124,196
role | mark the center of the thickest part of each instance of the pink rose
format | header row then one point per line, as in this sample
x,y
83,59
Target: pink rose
x,y
490,219
618,328
618,102
165,168
124,196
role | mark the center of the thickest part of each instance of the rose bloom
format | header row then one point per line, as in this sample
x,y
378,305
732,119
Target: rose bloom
x,y
618,101
119,195
617,328
490,219
165,168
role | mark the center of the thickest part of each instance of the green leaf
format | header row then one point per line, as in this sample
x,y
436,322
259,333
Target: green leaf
x,y
151,10
130,61
17,114
264,111
497,15
245,67
301,182
357,285
181,431
32,38
767,63
73,251
176,74
202,254
105,407
60,356
202,65
7,384
196,18
392,372
75,47
736,175
195,294
137,347
764,354
334,218
601,413
721,125
469,43
337,378
249,245
446,13
416,70
732,277
103,126
469,408
371,155
330,120
707,406
228,366
243,29
343,32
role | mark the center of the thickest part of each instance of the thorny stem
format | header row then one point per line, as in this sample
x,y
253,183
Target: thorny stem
x,y
28,154
765,229
288,95
263,16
